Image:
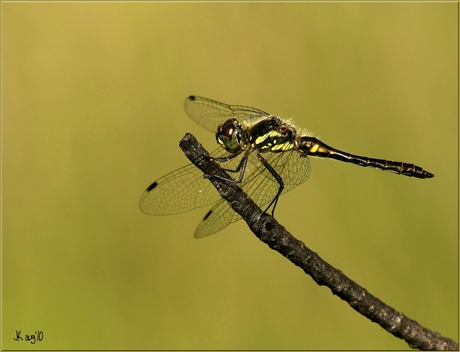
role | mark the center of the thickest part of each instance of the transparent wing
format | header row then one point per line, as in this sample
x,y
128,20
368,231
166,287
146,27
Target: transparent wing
x,y
259,184
220,216
210,113
179,191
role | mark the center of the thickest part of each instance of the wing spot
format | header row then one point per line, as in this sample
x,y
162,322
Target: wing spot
x,y
152,186
207,215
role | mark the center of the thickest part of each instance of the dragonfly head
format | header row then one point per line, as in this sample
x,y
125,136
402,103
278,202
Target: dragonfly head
x,y
229,135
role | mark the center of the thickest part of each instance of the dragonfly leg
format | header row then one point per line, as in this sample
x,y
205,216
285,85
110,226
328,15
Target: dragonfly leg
x,y
278,178
241,168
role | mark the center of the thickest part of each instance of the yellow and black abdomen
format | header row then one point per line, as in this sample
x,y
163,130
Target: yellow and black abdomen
x,y
314,147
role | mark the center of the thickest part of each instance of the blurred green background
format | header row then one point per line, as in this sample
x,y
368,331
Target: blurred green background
x,y
93,113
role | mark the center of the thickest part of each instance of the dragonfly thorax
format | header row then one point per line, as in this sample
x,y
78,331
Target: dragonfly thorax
x,y
274,135
229,135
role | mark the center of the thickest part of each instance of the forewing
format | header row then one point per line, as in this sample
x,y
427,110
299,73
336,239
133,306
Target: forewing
x,y
179,191
210,113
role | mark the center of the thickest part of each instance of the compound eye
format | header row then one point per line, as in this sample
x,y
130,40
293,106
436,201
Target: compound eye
x,y
228,129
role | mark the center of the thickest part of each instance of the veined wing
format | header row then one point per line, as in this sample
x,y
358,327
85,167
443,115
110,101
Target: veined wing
x,y
210,113
260,185
179,191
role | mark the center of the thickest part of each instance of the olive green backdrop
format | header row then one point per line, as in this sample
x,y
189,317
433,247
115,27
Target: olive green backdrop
x,y
92,113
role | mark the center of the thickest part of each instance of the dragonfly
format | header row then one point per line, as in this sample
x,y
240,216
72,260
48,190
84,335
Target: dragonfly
x,y
266,155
